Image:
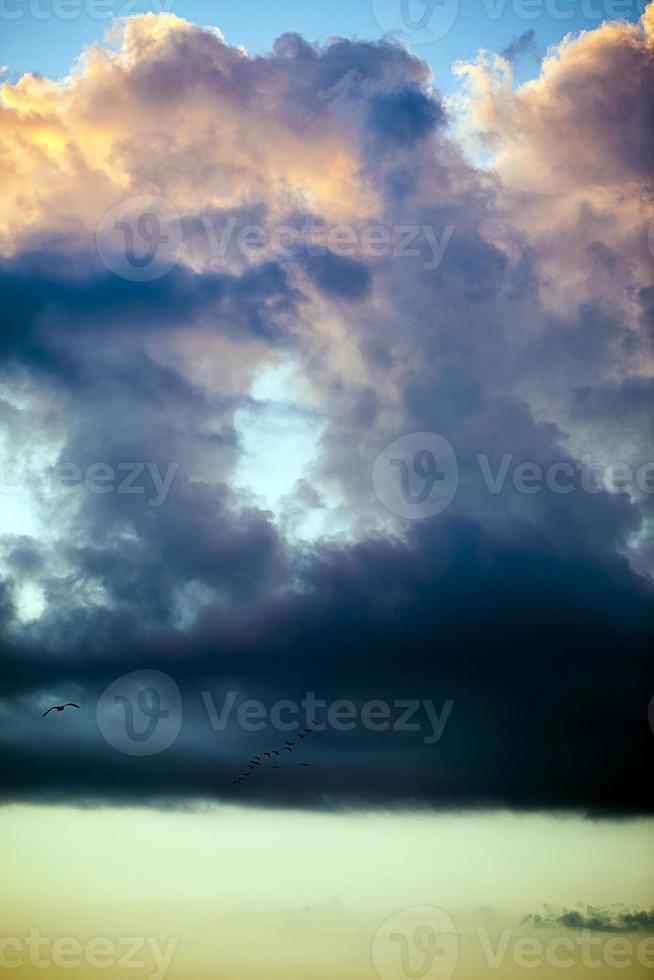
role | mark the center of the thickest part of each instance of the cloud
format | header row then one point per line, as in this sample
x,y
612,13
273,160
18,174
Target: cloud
x,y
610,919
521,45
507,310
449,615
605,136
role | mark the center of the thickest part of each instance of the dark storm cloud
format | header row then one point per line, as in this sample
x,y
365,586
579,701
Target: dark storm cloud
x,y
523,639
404,117
51,302
629,402
339,275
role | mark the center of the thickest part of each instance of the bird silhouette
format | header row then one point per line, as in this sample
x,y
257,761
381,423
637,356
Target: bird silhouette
x,y
305,764
59,707
274,752
266,755
276,767
288,748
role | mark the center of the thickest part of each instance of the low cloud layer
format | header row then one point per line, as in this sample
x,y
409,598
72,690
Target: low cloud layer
x,y
614,918
246,387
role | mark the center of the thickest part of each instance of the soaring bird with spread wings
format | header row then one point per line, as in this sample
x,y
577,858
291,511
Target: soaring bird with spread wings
x,y
59,707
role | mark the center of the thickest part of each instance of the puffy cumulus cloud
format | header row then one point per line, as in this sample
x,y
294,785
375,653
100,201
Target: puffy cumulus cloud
x,y
595,90
171,106
575,151
186,460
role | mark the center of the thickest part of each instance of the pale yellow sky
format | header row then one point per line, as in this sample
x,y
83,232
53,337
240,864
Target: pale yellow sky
x,y
237,893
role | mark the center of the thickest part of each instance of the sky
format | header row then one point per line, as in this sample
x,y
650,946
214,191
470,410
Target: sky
x,y
326,488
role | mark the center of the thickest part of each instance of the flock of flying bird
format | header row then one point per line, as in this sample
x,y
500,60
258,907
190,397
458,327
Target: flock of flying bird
x,y
254,762
272,754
